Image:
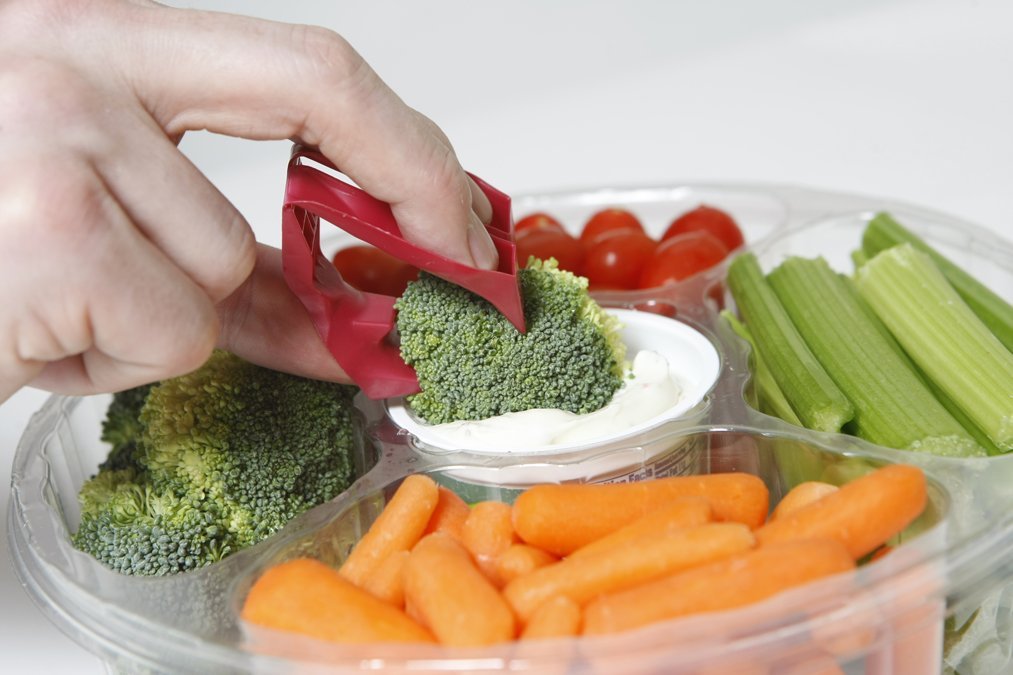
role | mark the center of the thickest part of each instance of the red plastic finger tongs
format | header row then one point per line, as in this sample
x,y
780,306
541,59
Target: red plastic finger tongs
x,y
355,326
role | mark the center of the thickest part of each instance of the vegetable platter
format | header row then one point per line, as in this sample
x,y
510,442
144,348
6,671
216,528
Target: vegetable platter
x,y
938,602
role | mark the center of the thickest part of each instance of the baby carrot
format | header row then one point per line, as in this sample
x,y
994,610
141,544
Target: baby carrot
x,y
487,533
556,617
308,597
650,557
861,515
562,518
734,666
682,512
453,598
725,584
449,515
397,528
521,559
801,495
386,580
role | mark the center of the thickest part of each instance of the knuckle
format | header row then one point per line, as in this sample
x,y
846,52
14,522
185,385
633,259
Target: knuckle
x,y
28,204
329,58
447,176
40,93
191,355
237,261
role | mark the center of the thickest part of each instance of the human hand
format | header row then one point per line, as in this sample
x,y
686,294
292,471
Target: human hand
x,y
120,263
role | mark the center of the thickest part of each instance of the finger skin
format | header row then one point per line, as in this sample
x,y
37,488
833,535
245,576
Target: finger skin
x,y
276,81
89,304
265,323
94,96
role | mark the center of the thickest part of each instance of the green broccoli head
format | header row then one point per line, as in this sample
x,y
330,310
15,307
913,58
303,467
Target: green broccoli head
x,y
225,457
472,363
132,528
122,426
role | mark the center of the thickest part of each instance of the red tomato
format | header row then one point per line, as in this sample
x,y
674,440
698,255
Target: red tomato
x,y
371,270
535,221
662,308
708,219
614,260
608,220
544,243
682,256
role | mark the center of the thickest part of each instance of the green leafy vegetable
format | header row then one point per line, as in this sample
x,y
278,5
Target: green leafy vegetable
x,y
884,232
947,340
473,364
893,407
816,399
222,458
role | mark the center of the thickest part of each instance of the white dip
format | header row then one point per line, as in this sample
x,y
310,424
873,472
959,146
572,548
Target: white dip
x,y
652,389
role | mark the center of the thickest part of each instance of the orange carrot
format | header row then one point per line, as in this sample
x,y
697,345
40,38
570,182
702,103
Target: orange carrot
x,y
449,515
398,527
733,582
862,515
455,600
734,666
556,617
562,518
801,495
308,597
650,557
386,581
825,665
681,513
487,533
521,559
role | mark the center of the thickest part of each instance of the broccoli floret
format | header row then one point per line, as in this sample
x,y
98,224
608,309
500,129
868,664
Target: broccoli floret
x,y
122,426
473,364
225,457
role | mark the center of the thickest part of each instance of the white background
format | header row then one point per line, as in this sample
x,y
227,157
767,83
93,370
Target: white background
x,y
905,99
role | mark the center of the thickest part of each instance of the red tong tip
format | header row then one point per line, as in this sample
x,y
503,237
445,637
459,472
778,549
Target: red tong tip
x,y
355,325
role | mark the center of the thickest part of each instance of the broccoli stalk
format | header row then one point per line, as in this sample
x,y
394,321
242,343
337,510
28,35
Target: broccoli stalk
x,y
472,363
225,457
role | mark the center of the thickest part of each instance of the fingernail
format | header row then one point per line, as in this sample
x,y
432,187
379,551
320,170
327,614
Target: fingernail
x,y
483,251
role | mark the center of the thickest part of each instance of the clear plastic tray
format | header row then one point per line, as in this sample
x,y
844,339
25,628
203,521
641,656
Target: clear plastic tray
x,y
940,603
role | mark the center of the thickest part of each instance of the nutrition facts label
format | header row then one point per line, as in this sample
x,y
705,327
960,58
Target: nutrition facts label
x,y
686,458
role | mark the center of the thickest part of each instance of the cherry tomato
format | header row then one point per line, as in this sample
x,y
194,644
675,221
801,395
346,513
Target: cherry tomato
x,y
661,308
369,269
608,220
544,243
614,260
708,219
682,256
535,221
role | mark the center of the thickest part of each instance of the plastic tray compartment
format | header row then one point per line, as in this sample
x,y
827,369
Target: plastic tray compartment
x,y
939,601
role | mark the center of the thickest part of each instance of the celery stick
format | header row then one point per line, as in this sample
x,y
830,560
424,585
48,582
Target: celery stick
x,y
941,333
977,434
893,407
883,232
813,396
772,400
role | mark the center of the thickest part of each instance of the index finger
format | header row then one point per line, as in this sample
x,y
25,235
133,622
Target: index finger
x,y
258,79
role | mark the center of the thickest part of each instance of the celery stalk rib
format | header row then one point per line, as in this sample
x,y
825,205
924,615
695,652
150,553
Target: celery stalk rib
x,y
812,394
893,407
941,333
772,399
977,434
883,232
